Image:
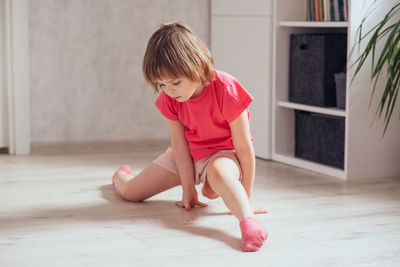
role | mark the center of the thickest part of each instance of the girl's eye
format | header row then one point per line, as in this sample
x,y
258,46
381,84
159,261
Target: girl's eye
x,y
176,83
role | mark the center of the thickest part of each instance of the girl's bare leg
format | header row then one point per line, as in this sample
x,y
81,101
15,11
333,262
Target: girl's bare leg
x,y
151,181
208,192
223,176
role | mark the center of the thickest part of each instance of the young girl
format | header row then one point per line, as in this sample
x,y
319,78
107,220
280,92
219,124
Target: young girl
x,y
208,119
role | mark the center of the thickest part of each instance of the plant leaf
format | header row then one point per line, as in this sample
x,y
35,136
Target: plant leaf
x,y
388,59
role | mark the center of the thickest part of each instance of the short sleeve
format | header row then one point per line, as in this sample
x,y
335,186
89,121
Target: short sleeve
x,y
235,100
166,106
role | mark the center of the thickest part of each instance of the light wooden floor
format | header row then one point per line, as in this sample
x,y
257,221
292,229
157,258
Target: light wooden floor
x,y
59,209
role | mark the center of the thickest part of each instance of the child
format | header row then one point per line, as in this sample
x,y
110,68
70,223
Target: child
x,y
208,120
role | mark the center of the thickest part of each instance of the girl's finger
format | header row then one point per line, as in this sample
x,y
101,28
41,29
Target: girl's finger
x,y
180,204
201,204
259,211
256,211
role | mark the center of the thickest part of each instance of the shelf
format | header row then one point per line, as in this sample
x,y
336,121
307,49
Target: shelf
x,y
321,110
315,24
309,165
290,18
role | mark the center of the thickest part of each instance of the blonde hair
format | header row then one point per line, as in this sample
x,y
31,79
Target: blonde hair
x,y
175,51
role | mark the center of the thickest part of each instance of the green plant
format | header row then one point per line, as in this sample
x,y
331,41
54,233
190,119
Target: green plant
x,y
388,58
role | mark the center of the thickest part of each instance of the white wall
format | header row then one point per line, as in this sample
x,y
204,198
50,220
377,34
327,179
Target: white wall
x,y
370,155
85,61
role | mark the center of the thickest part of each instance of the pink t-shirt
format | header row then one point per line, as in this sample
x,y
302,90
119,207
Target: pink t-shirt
x,y
206,118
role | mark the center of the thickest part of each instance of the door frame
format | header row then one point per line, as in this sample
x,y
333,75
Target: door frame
x,y
3,96
16,78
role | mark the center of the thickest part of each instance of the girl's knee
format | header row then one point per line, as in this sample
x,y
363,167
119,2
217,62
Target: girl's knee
x,y
130,194
131,197
222,168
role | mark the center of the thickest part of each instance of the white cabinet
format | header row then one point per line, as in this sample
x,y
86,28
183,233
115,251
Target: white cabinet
x,y
366,153
241,44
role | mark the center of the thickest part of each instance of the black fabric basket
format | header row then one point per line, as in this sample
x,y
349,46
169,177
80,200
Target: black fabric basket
x,y
320,138
340,81
314,59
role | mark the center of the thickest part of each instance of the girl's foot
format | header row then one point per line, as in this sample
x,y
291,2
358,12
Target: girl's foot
x,y
208,192
120,176
253,234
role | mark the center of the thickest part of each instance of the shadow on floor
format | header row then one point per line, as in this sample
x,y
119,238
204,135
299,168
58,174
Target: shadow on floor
x,y
172,217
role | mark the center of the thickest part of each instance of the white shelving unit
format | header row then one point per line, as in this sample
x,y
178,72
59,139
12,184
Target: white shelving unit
x,y
289,18
251,40
366,152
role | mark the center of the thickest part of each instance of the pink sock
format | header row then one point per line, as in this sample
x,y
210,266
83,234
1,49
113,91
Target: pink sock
x,y
253,234
125,169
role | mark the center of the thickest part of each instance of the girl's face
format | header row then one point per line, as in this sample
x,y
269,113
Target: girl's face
x,y
181,89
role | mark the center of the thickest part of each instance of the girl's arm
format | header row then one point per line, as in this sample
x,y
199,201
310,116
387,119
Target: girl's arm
x,y
183,160
244,150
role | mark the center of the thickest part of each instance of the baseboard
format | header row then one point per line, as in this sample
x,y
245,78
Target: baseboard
x,y
46,148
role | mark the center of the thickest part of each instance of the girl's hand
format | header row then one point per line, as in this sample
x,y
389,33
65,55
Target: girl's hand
x,y
192,203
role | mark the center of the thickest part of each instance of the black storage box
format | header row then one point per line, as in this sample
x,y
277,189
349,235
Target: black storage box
x,y
314,59
320,138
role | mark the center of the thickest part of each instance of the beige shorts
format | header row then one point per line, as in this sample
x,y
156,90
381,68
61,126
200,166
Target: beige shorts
x,y
167,161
